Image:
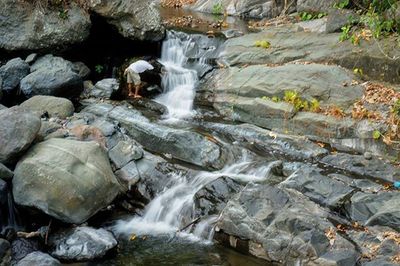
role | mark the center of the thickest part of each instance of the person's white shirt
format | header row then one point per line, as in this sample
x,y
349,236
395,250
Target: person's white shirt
x,y
140,66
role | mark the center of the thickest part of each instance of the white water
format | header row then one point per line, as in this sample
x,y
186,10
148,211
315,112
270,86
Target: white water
x,y
165,214
179,82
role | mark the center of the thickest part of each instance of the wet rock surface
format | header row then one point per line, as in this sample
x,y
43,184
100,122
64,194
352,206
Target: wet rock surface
x,y
104,88
82,244
5,252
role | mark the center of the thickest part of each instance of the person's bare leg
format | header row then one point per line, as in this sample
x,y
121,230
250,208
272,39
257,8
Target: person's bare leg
x,y
130,89
137,88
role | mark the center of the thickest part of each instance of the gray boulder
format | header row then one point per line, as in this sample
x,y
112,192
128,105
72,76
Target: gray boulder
x,y
5,173
21,247
12,73
82,243
52,75
375,209
139,20
104,88
53,106
31,58
38,258
27,26
80,185
18,129
56,82
279,225
124,152
2,106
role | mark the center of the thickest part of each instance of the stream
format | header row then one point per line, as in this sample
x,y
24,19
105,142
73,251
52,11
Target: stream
x,y
169,232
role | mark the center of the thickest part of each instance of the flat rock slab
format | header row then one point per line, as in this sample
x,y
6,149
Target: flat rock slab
x,y
289,43
18,129
322,82
67,179
82,243
269,141
358,165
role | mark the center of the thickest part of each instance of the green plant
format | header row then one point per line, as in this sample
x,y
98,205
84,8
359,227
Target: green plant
x,y
345,35
305,16
315,105
263,44
217,9
376,134
358,71
342,4
396,107
99,69
63,14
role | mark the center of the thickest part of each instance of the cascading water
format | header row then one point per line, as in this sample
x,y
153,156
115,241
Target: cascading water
x,y
185,58
169,212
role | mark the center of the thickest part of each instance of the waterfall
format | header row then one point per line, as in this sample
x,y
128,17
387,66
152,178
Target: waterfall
x,y
172,209
185,59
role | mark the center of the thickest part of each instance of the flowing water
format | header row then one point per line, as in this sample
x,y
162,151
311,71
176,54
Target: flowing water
x,y
185,58
169,221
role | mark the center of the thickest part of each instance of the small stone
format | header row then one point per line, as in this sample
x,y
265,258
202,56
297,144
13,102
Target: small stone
x,y
367,155
38,258
31,58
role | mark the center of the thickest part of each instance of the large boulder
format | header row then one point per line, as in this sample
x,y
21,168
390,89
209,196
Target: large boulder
x,y
50,105
133,19
281,225
54,76
67,179
12,73
18,129
82,243
38,258
25,25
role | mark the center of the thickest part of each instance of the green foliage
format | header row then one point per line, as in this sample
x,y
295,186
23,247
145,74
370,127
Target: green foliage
x,y
99,69
358,71
300,104
376,134
377,19
396,107
263,44
345,35
342,4
63,14
315,106
305,16
217,9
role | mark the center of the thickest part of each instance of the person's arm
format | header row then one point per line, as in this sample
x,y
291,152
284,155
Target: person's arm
x,y
126,70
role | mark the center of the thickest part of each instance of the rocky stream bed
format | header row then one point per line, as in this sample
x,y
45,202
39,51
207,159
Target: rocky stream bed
x,y
209,168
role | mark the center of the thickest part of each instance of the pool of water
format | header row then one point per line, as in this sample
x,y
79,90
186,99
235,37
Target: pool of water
x,y
174,251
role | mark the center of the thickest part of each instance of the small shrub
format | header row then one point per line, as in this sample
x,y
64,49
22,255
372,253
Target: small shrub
x,y
263,44
342,4
305,16
376,134
217,9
